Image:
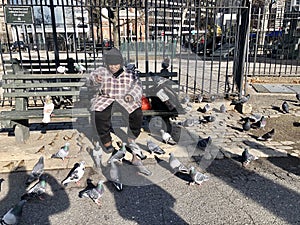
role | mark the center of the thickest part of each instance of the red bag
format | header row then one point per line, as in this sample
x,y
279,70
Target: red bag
x,y
145,103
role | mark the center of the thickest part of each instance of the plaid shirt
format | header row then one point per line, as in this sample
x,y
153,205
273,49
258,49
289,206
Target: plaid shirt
x,y
114,89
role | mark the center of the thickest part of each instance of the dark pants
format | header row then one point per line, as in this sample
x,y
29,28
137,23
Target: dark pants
x,y
103,122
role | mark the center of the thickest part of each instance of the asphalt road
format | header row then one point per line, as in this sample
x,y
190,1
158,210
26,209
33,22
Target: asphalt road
x,y
266,192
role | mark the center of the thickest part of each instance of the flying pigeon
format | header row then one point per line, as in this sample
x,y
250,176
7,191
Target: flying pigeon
x,y
167,138
1,180
115,176
14,214
37,190
204,143
176,165
153,147
267,136
246,125
298,96
285,107
63,152
197,177
93,192
62,69
261,123
222,108
134,148
242,100
36,172
247,157
97,154
139,165
205,109
75,174
118,155
80,68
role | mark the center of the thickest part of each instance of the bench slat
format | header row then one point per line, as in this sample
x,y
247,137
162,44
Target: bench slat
x,y
41,76
43,85
40,94
168,74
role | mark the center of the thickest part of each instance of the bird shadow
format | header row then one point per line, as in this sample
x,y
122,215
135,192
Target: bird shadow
x,y
277,108
236,128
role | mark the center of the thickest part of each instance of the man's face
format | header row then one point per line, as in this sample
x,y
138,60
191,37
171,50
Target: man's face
x,y
114,68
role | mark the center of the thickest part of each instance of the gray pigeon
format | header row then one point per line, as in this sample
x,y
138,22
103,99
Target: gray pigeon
x,y
120,154
255,117
63,152
138,163
267,136
75,174
298,96
154,148
242,100
197,177
199,98
94,193
285,107
37,190
1,180
189,122
97,154
247,157
115,176
185,99
176,165
167,138
14,214
205,109
134,148
261,123
222,108
208,119
203,143
36,172
247,125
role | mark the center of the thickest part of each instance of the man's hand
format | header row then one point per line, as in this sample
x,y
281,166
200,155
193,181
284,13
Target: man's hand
x,y
128,98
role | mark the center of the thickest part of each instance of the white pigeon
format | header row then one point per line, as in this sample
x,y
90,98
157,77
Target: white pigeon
x,y
222,108
94,193
36,172
62,69
14,214
176,165
115,176
62,152
97,154
154,148
75,174
167,138
48,109
197,177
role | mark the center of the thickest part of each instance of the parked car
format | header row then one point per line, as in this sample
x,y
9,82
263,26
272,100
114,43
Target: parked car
x,y
19,46
225,51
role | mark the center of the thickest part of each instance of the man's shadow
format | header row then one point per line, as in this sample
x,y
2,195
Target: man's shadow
x,y
35,211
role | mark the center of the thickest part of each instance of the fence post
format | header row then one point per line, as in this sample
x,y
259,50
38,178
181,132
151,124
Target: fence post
x,y
56,55
242,43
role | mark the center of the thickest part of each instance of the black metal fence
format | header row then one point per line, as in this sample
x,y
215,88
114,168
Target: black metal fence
x,y
205,41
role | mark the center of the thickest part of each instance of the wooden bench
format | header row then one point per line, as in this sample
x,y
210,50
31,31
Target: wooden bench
x,y
24,88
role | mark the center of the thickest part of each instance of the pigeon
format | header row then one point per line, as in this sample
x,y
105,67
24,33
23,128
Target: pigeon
x,y
189,122
167,138
222,108
267,136
247,157
139,165
205,109
114,175
37,190
242,100
261,123
93,192
14,214
63,152
97,154
185,99
204,143
75,174
62,69
199,98
188,107
208,119
1,180
285,107
36,172
79,68
118,155
134,148
246,125
298,96
154,148
197,177
176,165
47,109
255,118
